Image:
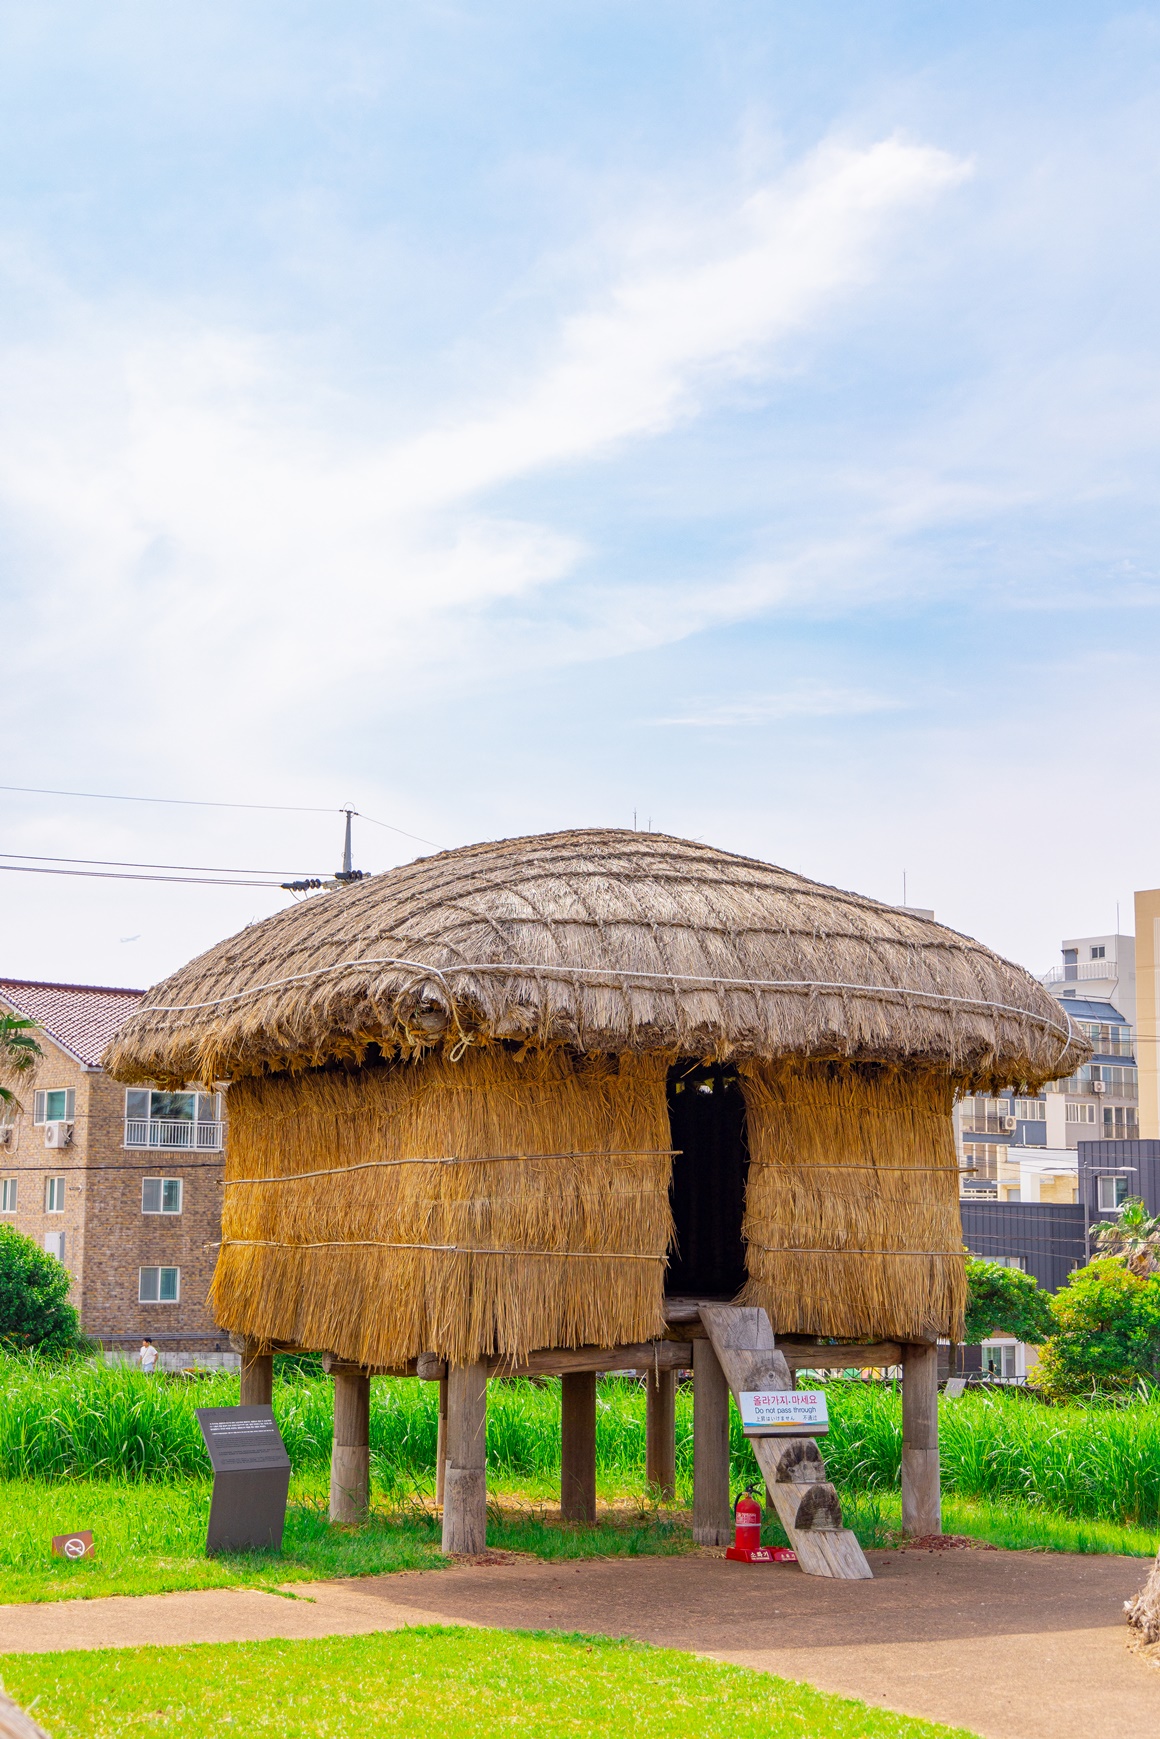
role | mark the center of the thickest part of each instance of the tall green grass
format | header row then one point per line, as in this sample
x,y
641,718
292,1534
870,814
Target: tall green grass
x,y
87,1422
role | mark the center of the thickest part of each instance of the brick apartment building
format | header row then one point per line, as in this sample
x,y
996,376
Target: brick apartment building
x,y
122,1184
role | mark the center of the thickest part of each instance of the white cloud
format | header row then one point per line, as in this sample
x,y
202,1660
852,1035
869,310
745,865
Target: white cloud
x,y
817,702
173,488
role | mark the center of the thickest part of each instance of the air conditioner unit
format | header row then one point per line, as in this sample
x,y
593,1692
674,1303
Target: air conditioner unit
x,y
1008,1124
57,1134
1099,1086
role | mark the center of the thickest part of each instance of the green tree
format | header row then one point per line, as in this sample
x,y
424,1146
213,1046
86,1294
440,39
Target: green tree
x,y
35,1314
1134,1235
1005,1301
19,1052
1107,1329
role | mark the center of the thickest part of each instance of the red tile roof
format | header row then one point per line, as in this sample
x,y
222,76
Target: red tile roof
x,y
80,1018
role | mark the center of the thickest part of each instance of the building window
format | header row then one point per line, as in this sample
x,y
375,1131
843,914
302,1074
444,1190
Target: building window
x,y
8,1195
1111,1193
54,1195
172,1120
983,1156
158,1285
1031,1110
1109,1039
980,1116
54,1244
998,1362
161,1195
1124,1083
1017,1262
1098,953
1075,1113
57,1105
1120,1123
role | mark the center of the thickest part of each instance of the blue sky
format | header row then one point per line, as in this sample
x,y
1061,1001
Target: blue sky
x,y
505,418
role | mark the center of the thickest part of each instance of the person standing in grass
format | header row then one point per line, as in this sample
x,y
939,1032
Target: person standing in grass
x,y
148,1356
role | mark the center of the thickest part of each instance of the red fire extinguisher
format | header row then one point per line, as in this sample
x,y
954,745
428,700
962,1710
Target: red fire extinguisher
x,y
747,1522
747,1547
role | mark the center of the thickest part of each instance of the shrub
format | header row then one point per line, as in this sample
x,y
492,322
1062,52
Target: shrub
x,y
1005,1301
1107,1330
35,1314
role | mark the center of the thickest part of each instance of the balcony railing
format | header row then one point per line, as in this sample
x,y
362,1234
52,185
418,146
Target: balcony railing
x,y
1082,969
171,1133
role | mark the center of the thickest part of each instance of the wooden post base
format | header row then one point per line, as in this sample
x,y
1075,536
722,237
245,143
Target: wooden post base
x,y
578,1446
661,1433
465,1474
712,1519
921,1489
350,1456
257,1388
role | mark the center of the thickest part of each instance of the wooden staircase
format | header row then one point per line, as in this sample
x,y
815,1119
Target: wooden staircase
x,y
807,1505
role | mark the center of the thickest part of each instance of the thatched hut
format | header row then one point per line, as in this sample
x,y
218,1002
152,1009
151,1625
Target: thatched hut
x,y
505,1102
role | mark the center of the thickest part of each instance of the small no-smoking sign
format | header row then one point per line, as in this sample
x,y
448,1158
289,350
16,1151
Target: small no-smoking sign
x,y
73,1545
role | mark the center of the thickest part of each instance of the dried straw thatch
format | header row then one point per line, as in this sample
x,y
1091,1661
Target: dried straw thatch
x,y
537,1214
448,1125
852,1209
606,941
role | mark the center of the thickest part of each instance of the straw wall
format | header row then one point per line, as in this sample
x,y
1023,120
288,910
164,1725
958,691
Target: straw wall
x,y
461,1255
852,1210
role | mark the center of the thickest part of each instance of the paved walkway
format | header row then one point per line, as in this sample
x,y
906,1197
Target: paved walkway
x,y
1012,1645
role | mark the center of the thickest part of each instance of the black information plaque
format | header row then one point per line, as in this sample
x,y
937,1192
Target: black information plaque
x,y
251,1477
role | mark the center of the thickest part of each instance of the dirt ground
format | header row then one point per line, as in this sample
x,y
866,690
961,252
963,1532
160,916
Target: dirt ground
x,y
1011,1645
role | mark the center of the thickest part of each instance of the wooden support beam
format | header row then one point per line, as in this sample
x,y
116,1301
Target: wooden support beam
x,y
350,1455
805,1355
465,1490
257,1375
578,1446
921,1495
556,1361
712,1517
441,1443
661,1432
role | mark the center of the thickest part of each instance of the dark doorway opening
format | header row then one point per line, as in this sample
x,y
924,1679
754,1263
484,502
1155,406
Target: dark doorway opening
x,y
707,1119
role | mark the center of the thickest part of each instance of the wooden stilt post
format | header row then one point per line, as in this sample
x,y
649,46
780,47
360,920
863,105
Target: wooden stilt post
x,y
465,1490
578,1446
350,1455
441,1445
661,1433
257,1375
921,1498
712,1522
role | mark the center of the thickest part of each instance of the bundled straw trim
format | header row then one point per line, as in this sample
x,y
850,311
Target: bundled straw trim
x,y
603,941
875,1251
452,1249
378,1263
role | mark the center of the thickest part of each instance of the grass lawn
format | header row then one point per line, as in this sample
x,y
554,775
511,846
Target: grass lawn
x,y
150,1537
437,1681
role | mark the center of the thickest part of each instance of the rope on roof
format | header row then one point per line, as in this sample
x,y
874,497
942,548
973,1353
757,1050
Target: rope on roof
x,y
615,978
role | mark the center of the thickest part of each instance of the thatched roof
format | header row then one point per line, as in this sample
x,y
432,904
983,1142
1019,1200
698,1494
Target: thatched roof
x,y
606,940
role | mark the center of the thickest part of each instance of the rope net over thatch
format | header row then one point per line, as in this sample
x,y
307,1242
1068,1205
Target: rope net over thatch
x,y
852,1207
448,1119
605,941
487,1206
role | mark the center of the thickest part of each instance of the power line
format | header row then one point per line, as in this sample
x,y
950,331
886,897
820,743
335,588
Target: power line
x,y
390,826
122,863
215,803
28,869
185,802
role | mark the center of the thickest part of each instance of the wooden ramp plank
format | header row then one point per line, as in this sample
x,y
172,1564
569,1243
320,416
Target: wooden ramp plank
x,y
744,1342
